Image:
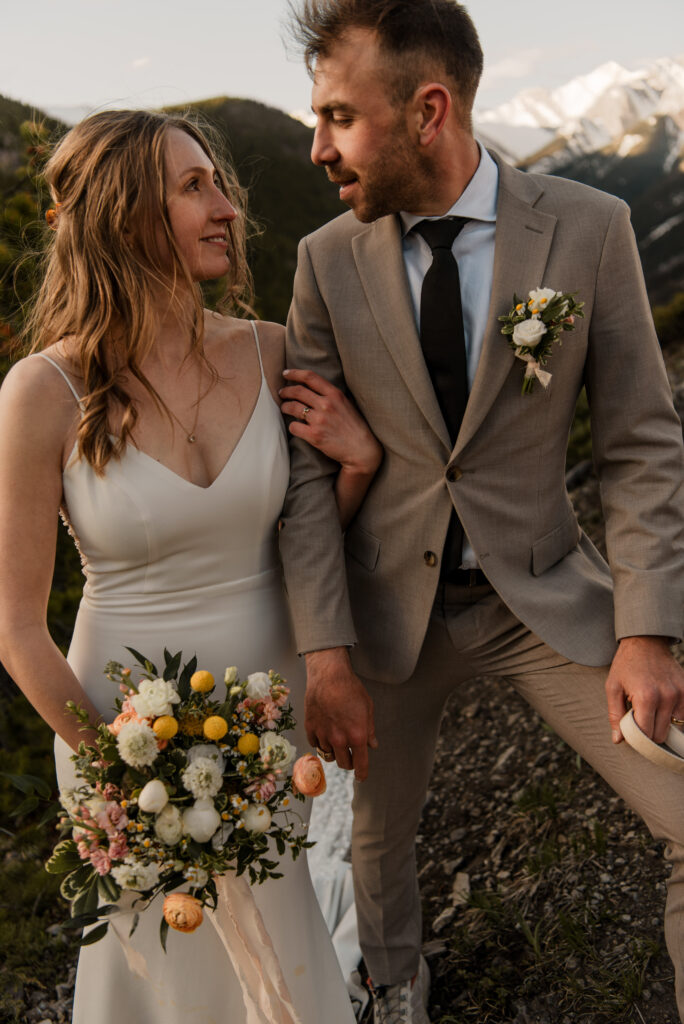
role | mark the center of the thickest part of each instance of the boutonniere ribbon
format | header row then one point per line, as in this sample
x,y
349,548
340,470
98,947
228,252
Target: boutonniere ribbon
x,y
533,326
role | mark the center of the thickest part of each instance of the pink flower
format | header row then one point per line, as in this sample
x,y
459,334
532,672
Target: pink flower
x,y
100,860
117,816
112,792
118,848
268,714
83,850
308,776
264,788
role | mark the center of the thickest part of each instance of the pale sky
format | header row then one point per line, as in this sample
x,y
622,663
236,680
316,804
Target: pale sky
x,y
74,53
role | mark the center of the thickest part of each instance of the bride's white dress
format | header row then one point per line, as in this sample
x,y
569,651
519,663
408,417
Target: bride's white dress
x,y
195,569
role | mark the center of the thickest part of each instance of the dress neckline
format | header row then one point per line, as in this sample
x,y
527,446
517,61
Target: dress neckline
x,y
226,464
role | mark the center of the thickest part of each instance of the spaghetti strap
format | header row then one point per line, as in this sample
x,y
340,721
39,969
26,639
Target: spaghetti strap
x,y
258,347
71,387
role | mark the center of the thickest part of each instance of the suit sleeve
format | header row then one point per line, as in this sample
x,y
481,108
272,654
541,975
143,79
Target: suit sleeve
x,y
637,445
311,541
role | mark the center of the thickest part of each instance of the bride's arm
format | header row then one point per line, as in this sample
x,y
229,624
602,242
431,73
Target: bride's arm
x,y
333,424
36,412
325,418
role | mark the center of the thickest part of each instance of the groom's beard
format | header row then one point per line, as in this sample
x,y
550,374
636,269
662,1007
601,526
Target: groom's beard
x,y
397,178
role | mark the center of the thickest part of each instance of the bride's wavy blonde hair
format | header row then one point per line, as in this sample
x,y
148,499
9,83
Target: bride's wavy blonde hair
x,y
107,260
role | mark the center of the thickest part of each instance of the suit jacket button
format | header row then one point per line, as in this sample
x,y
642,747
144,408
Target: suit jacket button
x,y
453,474
430,558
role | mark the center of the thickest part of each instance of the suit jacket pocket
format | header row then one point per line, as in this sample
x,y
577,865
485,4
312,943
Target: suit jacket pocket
x,y
555,545
362,546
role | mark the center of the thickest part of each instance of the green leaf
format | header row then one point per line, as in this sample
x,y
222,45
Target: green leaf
x,y
184,678
25,807
95,935
172,664
52,811
64,858
107,888
29,784
163,932
77,881
136,922
142,660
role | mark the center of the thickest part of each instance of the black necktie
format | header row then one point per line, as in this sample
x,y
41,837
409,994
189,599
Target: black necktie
x,y
441,321
442,339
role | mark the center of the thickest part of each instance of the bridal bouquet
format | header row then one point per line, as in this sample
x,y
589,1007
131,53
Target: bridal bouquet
x,y
534,325
180,788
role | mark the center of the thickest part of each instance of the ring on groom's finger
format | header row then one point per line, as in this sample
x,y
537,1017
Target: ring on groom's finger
x,y
305,411
327,755
677,721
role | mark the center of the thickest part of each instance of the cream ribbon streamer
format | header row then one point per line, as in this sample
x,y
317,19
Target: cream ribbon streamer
x,y
669,754
533,368
241,929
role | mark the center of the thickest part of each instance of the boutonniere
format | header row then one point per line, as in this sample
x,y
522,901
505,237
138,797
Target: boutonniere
x,y
533,327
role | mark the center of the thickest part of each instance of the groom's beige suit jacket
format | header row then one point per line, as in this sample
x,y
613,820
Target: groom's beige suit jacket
x,y
352,321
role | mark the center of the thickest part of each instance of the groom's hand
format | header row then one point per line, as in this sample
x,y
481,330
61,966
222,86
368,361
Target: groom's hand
x,y
338,710
645,673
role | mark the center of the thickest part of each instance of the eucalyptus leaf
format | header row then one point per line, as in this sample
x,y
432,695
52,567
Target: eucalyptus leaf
x,y
163,932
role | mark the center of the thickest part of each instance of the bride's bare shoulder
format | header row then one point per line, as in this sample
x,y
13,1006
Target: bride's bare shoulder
x,y
271,336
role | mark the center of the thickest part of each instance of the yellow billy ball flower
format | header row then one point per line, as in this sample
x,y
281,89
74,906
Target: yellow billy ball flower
x,y
248,744
202,681
215,727
165,727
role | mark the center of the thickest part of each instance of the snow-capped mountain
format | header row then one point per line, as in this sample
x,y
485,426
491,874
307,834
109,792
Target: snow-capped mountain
x,y
585,114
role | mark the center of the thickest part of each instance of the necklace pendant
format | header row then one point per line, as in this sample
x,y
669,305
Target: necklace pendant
x,y
191,438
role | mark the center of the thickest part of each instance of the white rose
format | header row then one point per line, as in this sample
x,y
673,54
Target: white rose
x,y
230,675
258,685
201,820
528,333
276,751
155,697
209,750
153,796
542,296
168,825
256,817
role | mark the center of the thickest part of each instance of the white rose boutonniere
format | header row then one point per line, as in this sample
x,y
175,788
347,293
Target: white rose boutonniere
x,y
532,328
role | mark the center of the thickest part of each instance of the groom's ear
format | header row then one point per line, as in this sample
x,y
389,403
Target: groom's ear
x,y
431,107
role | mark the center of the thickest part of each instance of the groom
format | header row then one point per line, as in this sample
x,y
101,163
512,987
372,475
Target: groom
x,y
466,558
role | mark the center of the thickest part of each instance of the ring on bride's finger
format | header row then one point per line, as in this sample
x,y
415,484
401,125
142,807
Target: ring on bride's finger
x,y
327,755
677,721
305,411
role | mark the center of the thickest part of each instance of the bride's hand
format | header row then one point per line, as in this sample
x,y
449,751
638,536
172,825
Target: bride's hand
x,y
326,419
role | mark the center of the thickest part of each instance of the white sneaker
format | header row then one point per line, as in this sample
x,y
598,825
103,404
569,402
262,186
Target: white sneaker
x,y
405,1002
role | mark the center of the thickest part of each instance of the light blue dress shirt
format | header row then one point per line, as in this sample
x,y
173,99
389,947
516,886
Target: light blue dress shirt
x,y
473,250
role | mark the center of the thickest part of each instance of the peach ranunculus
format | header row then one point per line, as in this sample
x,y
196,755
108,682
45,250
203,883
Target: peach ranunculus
x,y
308,776
182,911
123,718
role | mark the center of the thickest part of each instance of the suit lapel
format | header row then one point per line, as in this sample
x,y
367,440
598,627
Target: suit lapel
x,y
380,263
523,240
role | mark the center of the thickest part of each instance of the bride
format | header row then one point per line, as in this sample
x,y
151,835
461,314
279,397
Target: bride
x,y
154,426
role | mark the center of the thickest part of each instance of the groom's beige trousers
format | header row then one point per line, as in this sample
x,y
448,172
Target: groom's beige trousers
x,y
472,633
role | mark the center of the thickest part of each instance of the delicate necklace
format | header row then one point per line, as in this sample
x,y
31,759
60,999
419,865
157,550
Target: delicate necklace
x,y
190,435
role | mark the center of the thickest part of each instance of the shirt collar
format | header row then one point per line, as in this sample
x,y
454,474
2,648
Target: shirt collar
x,y
476,202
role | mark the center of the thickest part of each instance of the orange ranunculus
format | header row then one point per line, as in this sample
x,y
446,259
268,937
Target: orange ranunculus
x,y
183,911
308,776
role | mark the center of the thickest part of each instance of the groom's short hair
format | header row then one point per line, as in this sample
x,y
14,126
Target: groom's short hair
x,y
417,38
